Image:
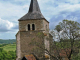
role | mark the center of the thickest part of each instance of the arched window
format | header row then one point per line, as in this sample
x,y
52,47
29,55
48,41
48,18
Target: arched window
x,y
28,27
33,27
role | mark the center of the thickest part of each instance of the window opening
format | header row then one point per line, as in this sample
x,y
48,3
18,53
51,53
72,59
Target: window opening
x,y
33,27
46,27
28,27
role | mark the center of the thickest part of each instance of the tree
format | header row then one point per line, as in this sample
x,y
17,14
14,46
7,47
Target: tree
x,y
40,48
4,55
64,31
70,31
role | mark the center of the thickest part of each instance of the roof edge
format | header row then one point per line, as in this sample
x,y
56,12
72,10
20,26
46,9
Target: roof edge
x,y
34,19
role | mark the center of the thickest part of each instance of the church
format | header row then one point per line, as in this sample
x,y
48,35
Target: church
x,y
29,39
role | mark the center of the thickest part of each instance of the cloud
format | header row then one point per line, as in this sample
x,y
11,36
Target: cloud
x,y
16,26
68,9
10,11
69,1
55,7
16,2
5,25
53,10
64,15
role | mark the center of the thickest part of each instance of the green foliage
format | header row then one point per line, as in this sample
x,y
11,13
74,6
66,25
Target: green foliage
x,y
40,35
7,51
61,45
77,57
8,47
70,29
65,45
58,28
4,55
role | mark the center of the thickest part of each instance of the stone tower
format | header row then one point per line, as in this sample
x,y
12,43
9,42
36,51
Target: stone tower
x,y
30,25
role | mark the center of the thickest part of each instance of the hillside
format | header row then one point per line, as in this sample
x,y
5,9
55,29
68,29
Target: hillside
x,y
8,41
8,51
9,47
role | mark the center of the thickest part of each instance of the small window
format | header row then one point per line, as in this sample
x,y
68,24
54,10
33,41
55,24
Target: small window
x,y
46,27
33,27
28,27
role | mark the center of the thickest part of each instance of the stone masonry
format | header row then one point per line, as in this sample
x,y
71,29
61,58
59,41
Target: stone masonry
x,y
25,36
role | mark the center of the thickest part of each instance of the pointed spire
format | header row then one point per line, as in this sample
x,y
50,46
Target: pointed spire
x,y
34,12
34,6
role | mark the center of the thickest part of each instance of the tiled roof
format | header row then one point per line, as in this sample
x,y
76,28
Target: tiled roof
x,y
30,57
63,52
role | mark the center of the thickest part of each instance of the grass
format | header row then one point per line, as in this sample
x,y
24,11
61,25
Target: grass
x,y
9,47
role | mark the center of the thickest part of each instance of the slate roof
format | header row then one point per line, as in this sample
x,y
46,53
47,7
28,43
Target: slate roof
x,y
34,12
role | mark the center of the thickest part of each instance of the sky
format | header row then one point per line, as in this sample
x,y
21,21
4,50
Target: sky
x,y
53,10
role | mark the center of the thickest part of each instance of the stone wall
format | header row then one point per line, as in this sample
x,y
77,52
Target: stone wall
x,y
25,38
46,26
39,25
23,25
18,50
27,43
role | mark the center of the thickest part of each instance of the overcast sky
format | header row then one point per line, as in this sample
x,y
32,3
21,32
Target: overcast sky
x,y
53,10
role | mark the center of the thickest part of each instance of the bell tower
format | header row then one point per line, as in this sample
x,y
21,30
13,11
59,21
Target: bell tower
x,y
30,25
